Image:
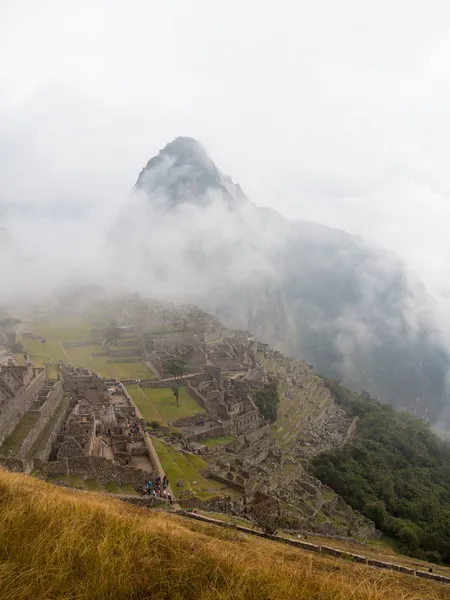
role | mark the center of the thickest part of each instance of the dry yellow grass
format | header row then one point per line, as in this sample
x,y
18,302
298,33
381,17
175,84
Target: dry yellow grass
x,y
56,543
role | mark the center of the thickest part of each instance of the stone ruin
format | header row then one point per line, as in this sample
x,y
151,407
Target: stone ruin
x,y
80,427
26,396
89,436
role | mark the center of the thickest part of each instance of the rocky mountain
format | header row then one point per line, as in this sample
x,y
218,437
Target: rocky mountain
x,y
349,308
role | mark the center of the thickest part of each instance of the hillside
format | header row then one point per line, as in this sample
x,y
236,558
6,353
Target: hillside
x,y
396,472
349,308
256,433
83,545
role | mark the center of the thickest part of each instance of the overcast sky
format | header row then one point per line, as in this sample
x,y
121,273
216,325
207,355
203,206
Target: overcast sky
x,y
332,111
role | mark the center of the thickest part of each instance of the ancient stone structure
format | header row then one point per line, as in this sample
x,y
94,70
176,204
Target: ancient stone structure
x,y
86,420
77,380
20,386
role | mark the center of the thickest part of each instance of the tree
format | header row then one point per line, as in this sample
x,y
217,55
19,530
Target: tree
x,y
267,400
176,367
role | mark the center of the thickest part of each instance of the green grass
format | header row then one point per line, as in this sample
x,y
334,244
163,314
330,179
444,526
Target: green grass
x,y
218,441
74,330
42,438
158,404
180,466
22,429
128,490
94,485
72,480
82,356
112,488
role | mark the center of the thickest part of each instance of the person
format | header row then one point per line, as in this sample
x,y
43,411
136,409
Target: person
x,y
149,485
169,498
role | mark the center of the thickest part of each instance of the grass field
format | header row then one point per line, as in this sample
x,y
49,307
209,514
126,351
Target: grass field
x,y
82,546
82,356
158,404
180,466
19,433
218,441
74,330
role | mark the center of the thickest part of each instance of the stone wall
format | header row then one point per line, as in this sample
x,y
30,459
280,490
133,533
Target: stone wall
x,y
154,458
256,435
326,550
54,397
14,409
206,434
228,482
54,468
105,471
125,351
186,421
198,396
45,453
16,465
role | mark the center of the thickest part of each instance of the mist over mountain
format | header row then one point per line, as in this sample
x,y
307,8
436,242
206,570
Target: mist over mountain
x,y
351,309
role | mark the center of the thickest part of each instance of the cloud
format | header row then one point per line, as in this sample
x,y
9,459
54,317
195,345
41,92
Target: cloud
x,y
330,113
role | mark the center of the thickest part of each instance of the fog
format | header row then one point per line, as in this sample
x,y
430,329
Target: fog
x,y
329,113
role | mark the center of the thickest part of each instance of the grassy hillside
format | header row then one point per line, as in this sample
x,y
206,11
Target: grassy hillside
x,y
59,544
395,471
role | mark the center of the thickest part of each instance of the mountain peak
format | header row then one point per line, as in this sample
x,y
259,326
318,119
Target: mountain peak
x,y
184,172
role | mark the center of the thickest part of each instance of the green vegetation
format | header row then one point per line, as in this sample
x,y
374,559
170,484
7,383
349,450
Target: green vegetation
x,y
182,466
176,367
82,545
94,485
112,488
58,331
218,441
19,433
83,356
158,404
267,400
396,472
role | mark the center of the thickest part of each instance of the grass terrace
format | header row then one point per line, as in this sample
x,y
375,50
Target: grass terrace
x,y
75,330
24,426
181,466
218,441
159,404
